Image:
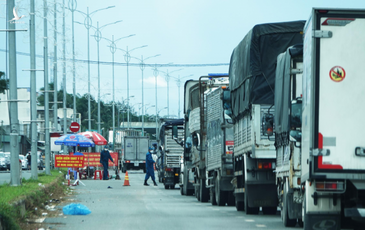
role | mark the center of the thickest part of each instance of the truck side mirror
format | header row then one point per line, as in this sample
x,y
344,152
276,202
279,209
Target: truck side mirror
x,y
196,139
174,132
296,113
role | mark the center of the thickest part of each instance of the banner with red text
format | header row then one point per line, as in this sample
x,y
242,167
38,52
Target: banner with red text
x,y
93,159
67,161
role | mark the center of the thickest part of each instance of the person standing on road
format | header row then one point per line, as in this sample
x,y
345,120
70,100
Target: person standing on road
x,y
29,158
149,168
104,159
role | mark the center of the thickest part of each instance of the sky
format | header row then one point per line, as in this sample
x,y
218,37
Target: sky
x,y
191,37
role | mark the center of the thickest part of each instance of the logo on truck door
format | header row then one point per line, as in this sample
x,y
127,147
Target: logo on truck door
x,y
337,73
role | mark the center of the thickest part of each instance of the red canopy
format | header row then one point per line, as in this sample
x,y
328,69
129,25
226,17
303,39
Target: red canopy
x,y
95,137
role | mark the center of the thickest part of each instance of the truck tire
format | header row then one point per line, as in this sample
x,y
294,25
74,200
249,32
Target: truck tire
x,y
182,190
185,182
167,186
172,186
212,196
231,199
123,169
250,210
196,192
240,205
220,196
203,191
284,211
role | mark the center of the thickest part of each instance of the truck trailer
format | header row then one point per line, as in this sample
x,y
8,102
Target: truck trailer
x,y
332,140
252,84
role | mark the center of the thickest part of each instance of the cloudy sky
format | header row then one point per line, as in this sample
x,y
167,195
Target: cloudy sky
x,y
192,37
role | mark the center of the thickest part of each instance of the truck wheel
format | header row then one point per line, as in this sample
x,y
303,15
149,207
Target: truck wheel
x,y
240,205
203,191
167,186
196,190
231,199
182,190
220,196
123,169
284,211
212,196
185,182
250,210
172,186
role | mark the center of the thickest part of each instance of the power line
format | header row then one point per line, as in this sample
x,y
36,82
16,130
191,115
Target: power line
x,y
124,64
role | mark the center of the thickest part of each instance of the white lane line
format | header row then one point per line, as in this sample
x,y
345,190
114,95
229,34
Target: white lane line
x,y
260,225
250,220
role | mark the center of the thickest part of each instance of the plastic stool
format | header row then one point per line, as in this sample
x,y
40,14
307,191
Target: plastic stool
x,y
102,172
99,175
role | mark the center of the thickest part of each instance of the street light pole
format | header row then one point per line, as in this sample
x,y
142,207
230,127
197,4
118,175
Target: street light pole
x,y
46,98
142,66
127,58
167,78
155,73
178,83
88,24
55,106
72,4
98,37
13,104
113,49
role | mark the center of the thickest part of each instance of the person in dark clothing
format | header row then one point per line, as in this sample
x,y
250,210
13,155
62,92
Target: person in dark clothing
x,y
149,168
104,159
29,158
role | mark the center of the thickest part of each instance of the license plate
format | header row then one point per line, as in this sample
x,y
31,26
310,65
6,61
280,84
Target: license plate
x,y
136,164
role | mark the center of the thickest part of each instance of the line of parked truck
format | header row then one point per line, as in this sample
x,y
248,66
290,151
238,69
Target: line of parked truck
x,y
284,128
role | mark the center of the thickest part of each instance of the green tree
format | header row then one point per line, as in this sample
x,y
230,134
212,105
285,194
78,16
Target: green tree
x,y
4,83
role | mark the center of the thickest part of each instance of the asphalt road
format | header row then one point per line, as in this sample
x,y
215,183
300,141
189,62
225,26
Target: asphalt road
x,y
5,175
149,207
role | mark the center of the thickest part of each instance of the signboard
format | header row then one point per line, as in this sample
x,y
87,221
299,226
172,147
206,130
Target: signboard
x,y
74,127
93,159
66,161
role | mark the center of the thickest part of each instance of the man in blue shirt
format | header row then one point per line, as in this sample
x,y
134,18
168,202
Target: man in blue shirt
x,y
149,168
104,159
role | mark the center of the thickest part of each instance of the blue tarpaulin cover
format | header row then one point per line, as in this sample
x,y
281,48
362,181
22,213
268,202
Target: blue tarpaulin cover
x,y
76,209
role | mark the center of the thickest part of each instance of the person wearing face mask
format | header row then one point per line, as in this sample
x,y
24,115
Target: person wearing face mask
x,y
149,168
104,159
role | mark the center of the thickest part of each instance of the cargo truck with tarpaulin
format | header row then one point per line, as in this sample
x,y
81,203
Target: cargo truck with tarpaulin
x,y
288,103
333,108
252,84
171,152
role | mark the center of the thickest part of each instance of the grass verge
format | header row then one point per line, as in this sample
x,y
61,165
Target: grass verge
x,y
32,192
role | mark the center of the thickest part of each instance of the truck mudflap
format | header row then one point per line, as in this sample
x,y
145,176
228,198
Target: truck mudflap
x,y
325,222
263,195
355,212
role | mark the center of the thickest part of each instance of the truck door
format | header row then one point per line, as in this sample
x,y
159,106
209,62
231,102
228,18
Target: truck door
x,y
341,93
130,149
142,149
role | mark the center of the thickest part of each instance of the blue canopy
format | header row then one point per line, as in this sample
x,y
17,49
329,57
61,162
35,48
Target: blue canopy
x,y
74,140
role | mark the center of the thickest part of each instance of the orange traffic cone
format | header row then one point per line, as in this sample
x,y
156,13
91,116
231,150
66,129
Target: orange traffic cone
x,y
126,179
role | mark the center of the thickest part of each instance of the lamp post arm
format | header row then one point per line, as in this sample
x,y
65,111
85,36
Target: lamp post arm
x,y
110,24
138,48
101,9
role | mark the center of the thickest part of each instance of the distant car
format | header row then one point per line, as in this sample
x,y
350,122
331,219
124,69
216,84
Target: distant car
x,y
24,161
3,165
7,160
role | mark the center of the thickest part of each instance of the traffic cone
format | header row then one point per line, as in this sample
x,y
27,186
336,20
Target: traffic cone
x,y
126,179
